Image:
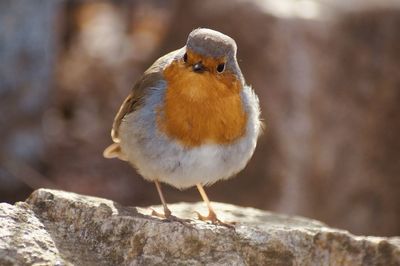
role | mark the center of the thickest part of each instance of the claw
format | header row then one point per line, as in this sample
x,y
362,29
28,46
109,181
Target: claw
x,y
212,217
157,214
167,216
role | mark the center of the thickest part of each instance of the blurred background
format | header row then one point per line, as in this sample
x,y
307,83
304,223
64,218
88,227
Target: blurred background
x,y
327,74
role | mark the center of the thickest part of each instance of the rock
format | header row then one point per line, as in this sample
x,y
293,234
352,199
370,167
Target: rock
x,y
24,238
61,228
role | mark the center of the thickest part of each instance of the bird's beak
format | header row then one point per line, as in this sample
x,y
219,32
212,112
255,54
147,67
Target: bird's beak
x,y
198,67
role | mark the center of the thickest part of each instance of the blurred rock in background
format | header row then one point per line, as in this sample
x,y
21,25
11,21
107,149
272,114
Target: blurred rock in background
x,y
327,74
27,58
106,47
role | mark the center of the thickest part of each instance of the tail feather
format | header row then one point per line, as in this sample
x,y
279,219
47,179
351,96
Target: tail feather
x,y
114,151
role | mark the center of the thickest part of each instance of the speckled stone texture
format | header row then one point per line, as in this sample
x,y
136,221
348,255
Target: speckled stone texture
x,y
61,228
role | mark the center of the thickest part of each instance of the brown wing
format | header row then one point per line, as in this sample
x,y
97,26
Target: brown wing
x,y
135,99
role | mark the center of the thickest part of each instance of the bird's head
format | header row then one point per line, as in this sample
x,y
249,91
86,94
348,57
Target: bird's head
x,y
210,51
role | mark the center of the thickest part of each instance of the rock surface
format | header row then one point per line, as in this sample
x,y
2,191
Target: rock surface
x,y
61,228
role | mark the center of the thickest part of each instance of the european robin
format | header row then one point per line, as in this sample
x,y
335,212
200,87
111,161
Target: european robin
x,y
190,119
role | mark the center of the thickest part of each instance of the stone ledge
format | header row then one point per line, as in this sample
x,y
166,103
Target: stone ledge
x,y
61,228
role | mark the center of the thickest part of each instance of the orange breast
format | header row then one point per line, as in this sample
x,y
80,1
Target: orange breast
x,y
201,108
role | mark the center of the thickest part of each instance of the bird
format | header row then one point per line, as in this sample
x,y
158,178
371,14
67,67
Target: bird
x,y
190,120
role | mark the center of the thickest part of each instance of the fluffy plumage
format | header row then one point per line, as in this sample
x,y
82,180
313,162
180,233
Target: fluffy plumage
x,y
183,127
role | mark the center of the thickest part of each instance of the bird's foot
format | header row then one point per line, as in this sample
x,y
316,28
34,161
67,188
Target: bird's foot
x,y
212,217
171,218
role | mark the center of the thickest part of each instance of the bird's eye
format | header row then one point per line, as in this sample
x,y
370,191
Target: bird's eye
x,y
221,68
185,57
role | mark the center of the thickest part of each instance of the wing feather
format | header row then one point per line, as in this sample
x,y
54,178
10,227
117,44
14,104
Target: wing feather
x,y
135,99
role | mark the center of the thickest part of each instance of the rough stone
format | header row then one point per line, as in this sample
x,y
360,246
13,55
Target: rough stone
x,y
61,228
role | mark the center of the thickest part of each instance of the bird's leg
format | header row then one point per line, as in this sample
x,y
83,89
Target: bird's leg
x,y
212,216
167,213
